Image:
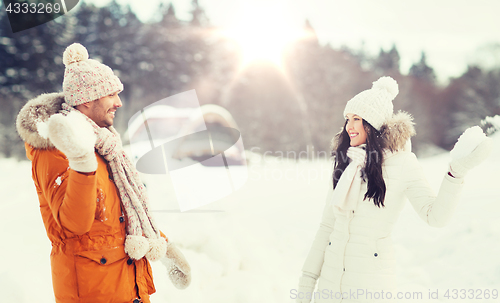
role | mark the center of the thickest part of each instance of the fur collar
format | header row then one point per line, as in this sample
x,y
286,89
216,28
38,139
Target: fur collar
x,y
397,131
37,110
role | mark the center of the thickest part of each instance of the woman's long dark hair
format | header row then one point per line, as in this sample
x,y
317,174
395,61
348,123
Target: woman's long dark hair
x,y
372,171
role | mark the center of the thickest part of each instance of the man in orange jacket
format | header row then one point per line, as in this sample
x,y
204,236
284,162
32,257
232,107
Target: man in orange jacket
x,y
93,204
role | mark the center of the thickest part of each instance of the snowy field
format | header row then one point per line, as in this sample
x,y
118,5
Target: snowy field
x,y
250,246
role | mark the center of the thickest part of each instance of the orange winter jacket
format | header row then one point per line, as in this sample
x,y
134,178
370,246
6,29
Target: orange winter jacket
x,y
85,222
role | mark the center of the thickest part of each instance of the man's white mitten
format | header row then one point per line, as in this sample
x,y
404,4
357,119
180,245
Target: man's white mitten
x,y
306,288
74,136
472,148
177,266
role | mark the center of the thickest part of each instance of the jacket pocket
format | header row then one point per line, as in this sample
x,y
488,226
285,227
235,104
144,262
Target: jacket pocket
x,y
144,277
384,248
384,255
104,274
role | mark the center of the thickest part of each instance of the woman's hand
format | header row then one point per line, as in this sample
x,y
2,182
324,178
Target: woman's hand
x,y
472,148
306,288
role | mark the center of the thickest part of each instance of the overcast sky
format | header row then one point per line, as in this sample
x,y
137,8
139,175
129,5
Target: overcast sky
x,y
449,31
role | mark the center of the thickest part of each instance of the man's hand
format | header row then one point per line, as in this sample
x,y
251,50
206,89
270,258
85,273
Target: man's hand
x,y
74,136
177,266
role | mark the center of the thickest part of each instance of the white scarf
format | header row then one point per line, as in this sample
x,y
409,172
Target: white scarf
x,y
346,193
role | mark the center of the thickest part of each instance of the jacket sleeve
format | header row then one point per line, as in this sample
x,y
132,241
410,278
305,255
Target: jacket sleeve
x,y
435,210
314,261
70,195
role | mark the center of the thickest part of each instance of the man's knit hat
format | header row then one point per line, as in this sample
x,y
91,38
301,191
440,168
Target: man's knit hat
x,y
374,105
86,79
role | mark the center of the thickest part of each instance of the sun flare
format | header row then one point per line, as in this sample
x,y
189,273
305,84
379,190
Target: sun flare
x,y
263,32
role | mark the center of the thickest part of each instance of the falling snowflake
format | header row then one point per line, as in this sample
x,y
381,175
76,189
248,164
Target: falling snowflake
x,y
58,180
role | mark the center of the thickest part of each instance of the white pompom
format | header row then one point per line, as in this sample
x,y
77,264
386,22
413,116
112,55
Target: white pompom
x,y
388,84
75,53
467,142
157,249
136,246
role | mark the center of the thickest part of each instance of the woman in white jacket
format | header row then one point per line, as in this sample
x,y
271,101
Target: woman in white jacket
x,y
352,255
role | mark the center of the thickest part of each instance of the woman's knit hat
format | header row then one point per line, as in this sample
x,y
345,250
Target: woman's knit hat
x,y
374,105
85,79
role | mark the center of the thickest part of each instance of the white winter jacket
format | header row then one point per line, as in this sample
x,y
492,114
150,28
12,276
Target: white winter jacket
x,y
353,253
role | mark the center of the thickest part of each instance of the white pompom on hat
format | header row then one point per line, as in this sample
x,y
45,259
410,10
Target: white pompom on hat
x,y
85,79
374,105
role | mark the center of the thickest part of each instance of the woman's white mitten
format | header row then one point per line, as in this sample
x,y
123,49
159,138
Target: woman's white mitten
x,y
177,266
472,148
306,288
74,136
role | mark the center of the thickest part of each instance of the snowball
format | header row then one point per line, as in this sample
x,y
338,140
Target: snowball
x,y
388,84
492,124
75,53
43,129
467,142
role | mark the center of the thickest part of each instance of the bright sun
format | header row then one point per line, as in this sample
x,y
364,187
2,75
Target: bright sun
x,y
263,31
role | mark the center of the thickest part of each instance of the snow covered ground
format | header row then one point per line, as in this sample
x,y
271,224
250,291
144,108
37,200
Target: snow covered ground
x,y
250,246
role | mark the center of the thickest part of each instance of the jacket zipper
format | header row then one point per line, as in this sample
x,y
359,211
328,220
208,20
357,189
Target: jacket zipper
x,y
343,257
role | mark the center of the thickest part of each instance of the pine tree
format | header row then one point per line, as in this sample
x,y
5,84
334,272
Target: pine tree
x,y
169,20
387,63
199,17
324,80
111,36
162,70
31,64
471,98
422,71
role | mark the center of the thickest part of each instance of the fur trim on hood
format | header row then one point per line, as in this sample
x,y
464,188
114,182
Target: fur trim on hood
x,y
397,132
35,111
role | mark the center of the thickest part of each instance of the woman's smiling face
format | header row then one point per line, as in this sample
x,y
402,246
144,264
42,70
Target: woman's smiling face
x,y
354,127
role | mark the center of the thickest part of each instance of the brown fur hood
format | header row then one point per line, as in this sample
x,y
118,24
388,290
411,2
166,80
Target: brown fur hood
x,y
397,131
35,111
